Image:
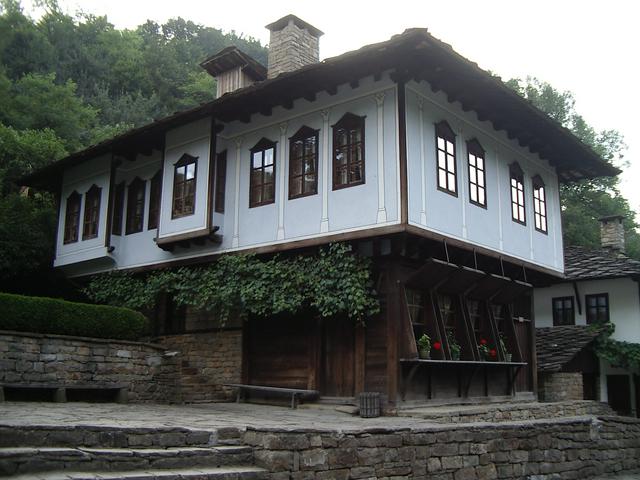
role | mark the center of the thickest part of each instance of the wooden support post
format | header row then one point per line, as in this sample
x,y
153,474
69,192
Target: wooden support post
x,y
245,352
315,344
392,314
360,360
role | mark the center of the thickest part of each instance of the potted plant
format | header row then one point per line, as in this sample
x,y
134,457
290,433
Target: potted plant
x,y
424,346
454,346
483,349
507,356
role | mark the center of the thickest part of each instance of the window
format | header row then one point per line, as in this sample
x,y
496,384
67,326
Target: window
x,y
303,163
72,218
135,206
263,173
563,312
348,152
517,193
91,213
184,186
154,200
221,181
118,209
539,204
446,154
477,187
597,308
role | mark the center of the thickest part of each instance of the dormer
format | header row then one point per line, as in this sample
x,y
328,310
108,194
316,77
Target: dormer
x,y
233,69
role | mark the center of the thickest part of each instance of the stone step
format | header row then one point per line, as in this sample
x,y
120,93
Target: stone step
x,y
222,473
104,437
31,460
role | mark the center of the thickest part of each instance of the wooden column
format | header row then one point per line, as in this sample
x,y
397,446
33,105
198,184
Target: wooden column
x,y
393,292
360,358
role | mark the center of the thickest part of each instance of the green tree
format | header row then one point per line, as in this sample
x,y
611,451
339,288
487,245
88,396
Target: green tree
x,y
584,202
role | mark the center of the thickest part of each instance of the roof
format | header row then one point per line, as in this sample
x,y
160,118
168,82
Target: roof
x,y
232,57
583,263
557,346
415,54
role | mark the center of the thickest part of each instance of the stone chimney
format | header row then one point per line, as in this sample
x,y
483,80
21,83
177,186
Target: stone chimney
x,y
293,44
612,233
233,69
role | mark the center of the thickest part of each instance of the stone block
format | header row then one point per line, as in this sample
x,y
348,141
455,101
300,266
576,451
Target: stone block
x,y
315,459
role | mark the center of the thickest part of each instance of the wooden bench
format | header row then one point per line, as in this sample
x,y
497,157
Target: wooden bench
x,y
295,393
58,391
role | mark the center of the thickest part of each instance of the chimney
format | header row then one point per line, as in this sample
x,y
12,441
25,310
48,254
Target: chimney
x,y
293,44
612,233
233,69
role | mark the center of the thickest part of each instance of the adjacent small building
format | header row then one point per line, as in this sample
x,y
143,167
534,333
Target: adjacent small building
x,y
601,285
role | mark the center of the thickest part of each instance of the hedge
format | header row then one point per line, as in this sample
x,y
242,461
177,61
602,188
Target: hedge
x,y
50,315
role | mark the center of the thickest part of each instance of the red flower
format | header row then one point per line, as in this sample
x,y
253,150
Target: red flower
x,y
437,345
493,352
483,341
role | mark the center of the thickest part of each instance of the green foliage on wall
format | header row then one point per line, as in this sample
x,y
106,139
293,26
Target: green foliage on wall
x,y
617,353
333,281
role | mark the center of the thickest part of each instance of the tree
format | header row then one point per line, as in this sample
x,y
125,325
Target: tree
x,y
584,202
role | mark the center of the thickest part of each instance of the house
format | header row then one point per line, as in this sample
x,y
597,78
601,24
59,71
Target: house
x,y
422,161
600,286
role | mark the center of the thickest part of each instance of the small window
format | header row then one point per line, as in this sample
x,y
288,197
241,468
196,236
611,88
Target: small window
x,y
517,193
184,186
221,181
597,308
477,178
563,312
91,213
263,173
446,155
118,209
539,204
72,218
135,206
348,152
303,163
154,200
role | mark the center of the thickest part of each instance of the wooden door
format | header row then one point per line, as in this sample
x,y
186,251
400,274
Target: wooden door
x,y
338,358
524,334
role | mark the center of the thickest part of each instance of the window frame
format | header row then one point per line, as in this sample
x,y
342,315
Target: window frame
x,y
588,319
221,182
183,162
444,131
540,205
475,148
558,322
137,188
91,216
118,214
155,198
72,218
303,135
262,147
517,174
349,122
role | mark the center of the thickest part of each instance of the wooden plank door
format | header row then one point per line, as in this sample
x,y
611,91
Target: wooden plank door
x,y
524,340
338,358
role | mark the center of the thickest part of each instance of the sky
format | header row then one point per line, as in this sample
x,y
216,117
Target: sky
x,y
590,48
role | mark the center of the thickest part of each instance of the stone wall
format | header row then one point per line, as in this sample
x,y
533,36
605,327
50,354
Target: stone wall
x,y
30,358
562,448
205,361
558,387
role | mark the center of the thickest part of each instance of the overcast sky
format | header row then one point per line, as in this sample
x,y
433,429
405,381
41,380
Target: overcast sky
x,y
588,47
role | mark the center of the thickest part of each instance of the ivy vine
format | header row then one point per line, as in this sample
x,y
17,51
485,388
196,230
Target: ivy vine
x,y
333,281
616,352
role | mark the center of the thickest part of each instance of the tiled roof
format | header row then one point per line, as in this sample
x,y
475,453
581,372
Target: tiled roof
x,y
557,346
583,263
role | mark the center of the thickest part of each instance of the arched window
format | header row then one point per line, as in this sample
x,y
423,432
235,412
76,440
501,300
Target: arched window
x,y
477,175
348,152
118,209
72,218
446,158
135,206
262,190
539,204
91,213
154,200
517,193
303,163
184,186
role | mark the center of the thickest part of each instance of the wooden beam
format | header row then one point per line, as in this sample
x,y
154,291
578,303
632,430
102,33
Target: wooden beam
x,y
266,110
360,359
402,153
354,83
310,96
332,90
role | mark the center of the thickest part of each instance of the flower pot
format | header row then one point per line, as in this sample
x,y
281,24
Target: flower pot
x,y
424,354
508,357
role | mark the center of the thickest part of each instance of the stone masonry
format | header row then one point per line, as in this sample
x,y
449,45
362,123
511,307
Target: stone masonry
x,y
560,386
31,358
291,47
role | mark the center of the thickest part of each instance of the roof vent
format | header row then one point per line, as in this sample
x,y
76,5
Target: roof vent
x,y
612,233
293,44
233,69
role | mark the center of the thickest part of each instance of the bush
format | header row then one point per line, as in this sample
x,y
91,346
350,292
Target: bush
x,y
50,315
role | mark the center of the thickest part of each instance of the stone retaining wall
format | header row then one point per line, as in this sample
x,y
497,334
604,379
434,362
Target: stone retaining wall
x,y
30,358
581,447
560,386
